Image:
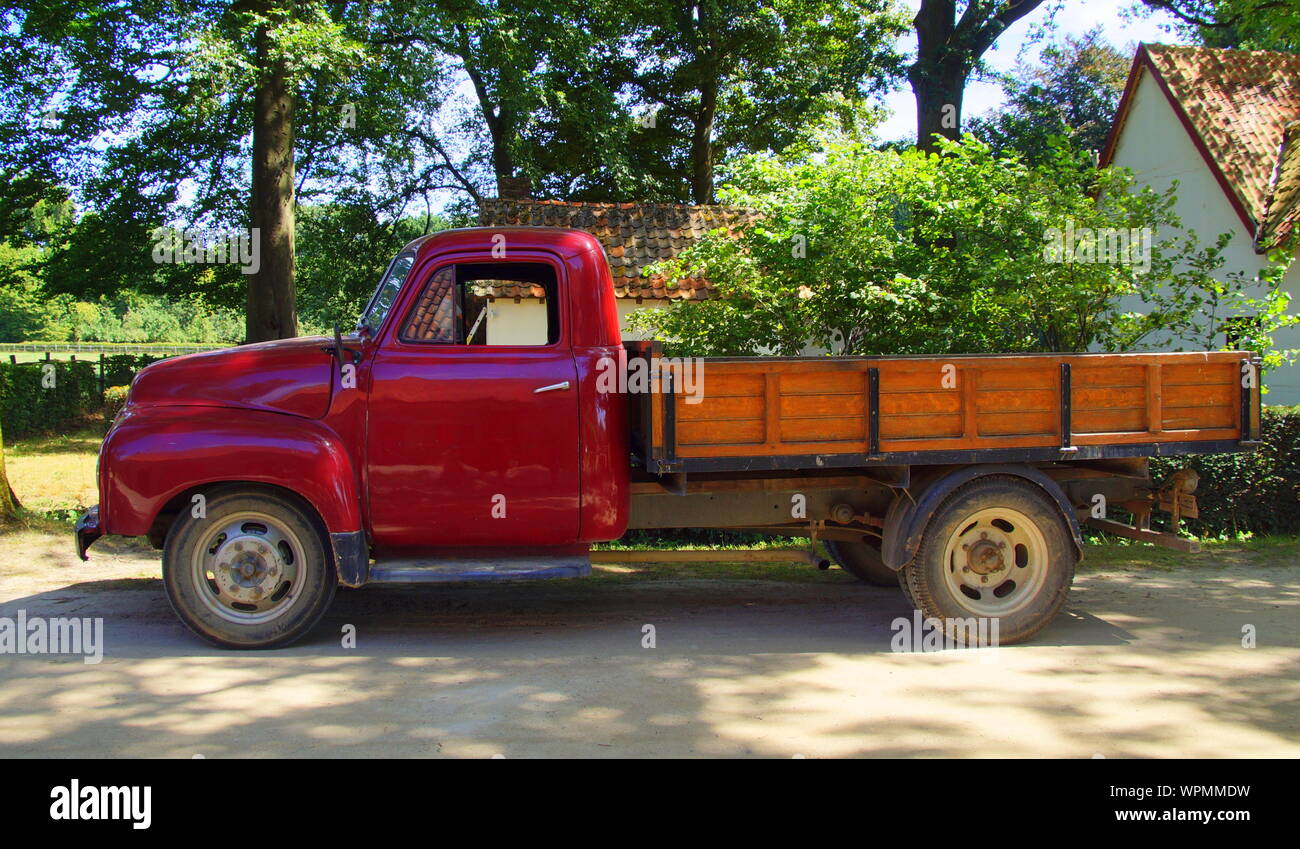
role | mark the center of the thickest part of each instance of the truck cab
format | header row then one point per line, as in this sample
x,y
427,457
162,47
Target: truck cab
x,y
416,439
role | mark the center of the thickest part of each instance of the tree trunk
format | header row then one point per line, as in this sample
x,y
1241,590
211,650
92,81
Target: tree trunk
x,y
500,122
272,312
501,129
938,90
947,48
702,143
9,505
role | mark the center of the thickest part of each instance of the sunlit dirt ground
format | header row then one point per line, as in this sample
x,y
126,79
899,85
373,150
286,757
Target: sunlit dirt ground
x,y
757,660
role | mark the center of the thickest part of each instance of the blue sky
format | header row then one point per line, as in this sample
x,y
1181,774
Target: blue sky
x,y
1074,17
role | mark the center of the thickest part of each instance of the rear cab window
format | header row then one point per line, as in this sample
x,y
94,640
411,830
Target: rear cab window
x,y
459,302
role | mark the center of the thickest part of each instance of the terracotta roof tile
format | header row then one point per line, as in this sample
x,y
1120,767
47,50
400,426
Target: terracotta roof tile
x,y
1239,102
634,235
1282,211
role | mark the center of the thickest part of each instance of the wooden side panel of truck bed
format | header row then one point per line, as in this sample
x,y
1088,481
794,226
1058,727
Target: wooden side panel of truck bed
x,y
766,413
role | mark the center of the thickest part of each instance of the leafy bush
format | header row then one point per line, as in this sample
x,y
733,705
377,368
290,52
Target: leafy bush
x,y
132,317
27,406
114,401
867,252
1256,492
47,396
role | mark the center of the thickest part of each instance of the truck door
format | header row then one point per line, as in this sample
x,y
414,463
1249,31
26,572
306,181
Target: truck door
x,y
472,434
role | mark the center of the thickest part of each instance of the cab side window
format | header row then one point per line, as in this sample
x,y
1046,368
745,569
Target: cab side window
x,y
491,303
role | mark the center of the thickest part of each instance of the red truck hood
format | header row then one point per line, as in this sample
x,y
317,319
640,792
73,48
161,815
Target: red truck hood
x,y
287,376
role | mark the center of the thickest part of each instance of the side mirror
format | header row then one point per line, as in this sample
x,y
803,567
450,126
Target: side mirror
x,y
338,348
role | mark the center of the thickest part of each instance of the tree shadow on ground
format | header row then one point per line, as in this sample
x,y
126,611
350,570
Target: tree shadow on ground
x,y
738,668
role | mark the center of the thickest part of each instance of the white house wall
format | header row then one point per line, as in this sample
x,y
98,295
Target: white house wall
x,y
1156,147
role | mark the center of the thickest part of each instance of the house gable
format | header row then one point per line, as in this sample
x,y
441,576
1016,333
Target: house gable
x,y
1156,147
1232,104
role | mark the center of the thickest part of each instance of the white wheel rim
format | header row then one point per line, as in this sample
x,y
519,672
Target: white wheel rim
x,y
248,568
995,562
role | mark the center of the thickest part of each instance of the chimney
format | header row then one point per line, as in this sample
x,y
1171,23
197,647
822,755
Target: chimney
x,y
514,188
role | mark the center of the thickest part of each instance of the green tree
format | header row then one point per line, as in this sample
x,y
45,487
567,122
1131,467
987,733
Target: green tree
x,y
537,74
1072,93
1242,24
641,100
724,77
212,115
342,249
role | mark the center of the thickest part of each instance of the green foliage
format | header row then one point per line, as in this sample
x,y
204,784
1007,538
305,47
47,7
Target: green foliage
x,y
342,251
727,77
27,311
1256,492
29,404
153,125
129,317
1240,24
638,100
121,369
114,401
865,251
1072,94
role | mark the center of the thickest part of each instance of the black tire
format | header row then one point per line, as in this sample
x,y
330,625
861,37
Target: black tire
x,y
254,573
960,570
901,579
862,560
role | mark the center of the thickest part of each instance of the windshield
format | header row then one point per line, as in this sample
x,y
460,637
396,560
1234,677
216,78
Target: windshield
x,y
382,301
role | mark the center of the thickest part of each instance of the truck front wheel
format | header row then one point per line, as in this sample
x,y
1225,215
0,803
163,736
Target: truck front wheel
x,y
862,560
997,548
252,573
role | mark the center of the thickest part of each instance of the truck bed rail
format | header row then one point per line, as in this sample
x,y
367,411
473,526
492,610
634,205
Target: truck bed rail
x,y
822,412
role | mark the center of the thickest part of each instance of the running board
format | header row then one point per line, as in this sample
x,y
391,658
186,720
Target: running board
x,y
461,570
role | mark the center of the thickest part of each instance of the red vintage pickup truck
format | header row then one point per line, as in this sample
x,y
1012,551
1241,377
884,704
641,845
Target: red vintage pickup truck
x,y
420,449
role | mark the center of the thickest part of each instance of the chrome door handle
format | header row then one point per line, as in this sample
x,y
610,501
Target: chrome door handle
x,y
539,390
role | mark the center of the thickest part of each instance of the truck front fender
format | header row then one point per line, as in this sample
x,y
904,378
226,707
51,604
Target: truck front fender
x,y
154,455
910,512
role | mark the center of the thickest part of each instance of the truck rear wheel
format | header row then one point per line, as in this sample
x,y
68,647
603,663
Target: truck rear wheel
x,y
862,560
997,548
253,574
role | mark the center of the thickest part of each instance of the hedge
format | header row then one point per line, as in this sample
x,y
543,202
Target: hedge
x,y
28,404
80,390
1256,492
120,369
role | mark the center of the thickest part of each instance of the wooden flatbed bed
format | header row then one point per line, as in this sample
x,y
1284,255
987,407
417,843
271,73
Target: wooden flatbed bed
x,y
767,414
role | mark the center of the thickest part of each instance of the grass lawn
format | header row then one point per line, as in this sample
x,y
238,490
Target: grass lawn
x,y
55,475
37,356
